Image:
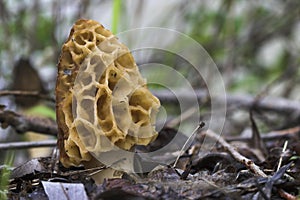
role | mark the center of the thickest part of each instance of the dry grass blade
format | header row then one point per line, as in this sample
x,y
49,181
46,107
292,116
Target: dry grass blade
x,y
200,125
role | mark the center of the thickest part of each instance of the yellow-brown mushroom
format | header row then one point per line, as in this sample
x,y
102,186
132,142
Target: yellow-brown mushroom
x,y
100,92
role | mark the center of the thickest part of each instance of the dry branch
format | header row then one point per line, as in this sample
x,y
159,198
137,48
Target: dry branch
x,y
273,135
23,124
24,145
275,104
26,93
236,155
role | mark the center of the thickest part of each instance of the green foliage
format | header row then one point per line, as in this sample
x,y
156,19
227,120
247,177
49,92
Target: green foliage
x,y
44,30
42,110
234,36
5,174
30,28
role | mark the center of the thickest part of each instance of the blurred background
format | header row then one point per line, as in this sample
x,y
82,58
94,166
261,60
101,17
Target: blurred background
x,y
255,45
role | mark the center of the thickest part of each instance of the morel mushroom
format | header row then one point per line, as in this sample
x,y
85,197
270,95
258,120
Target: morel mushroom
x,y
102,100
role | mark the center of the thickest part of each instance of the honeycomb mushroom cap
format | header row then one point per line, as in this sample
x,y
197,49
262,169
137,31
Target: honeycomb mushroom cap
x,y
101,98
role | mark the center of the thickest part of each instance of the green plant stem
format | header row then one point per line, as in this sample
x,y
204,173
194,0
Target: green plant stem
x,y
5,174
116,15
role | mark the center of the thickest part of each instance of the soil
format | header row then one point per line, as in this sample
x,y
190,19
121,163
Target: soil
x,y
216,174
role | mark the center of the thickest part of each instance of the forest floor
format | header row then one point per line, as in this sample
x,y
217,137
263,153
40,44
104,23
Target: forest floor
x,y
260,167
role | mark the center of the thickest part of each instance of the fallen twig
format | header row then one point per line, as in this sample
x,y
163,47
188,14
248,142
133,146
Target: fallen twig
x,y
23,123
236,155
275,104
26,93
273,135
31,144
